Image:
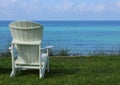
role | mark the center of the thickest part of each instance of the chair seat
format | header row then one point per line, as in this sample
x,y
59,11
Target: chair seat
x,y
19,61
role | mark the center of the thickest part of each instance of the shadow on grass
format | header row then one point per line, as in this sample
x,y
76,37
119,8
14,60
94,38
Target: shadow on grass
x,y
28,72
61,72
53,72
4,70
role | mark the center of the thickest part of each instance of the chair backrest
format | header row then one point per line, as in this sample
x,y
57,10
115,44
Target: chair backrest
x,y
24,32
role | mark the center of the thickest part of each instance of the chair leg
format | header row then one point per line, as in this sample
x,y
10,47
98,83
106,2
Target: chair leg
x,y
48,65
13,62
13,72
19,70
42,71
13,69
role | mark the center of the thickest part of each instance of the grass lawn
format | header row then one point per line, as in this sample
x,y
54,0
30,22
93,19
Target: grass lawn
x,y
67,71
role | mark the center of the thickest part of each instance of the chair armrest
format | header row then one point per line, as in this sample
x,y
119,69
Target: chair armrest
x,y
10,48
47,47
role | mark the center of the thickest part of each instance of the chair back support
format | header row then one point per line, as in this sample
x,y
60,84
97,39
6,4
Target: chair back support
x,y
24,31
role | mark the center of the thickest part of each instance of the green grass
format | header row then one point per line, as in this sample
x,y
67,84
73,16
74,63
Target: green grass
x,y
67,71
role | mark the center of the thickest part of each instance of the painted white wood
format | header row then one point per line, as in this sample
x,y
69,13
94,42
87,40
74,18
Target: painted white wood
x,y
27,37
13,61
26,43
31,66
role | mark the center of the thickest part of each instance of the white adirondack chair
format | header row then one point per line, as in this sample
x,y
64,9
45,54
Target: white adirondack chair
x,y
27,40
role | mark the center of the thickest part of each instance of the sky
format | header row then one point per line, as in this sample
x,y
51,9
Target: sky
x,y
59,9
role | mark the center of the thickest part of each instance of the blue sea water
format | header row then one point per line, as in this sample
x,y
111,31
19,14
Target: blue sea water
x,y
77,36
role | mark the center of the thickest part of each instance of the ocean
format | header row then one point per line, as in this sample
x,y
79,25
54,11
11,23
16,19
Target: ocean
x,y
80,37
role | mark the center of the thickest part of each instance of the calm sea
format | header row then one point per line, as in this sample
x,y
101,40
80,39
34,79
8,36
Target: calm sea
x,y
77,36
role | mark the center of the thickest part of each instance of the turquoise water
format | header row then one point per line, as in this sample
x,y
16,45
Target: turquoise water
x,y
78,36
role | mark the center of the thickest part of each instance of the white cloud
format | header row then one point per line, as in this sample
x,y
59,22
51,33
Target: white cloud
x,y
31,7
115,6
118,3
67,5
62,7
85,7
13,1
99,8
4,3
81,7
